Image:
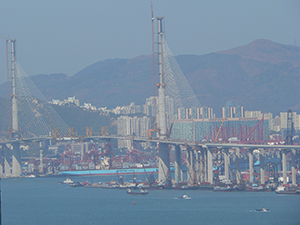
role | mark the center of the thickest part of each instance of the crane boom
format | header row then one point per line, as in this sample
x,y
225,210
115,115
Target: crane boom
x,y
216,139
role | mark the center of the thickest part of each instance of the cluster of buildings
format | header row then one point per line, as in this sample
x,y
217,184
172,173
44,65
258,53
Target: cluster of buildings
x,y
148,108
194,123
132,126
195,113
69,101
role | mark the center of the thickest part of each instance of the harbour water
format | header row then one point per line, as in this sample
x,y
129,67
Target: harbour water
x,y
44,201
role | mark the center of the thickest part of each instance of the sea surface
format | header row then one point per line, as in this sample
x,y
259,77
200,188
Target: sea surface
x,y
45,201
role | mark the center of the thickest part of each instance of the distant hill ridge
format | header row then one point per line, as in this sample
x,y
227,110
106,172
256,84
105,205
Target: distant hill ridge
x,y
266,50
262,75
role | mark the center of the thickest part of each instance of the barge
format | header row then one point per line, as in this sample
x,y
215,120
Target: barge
x,y
109,171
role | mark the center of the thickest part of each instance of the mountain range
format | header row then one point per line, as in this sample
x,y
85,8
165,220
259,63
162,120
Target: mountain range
x,y
262,75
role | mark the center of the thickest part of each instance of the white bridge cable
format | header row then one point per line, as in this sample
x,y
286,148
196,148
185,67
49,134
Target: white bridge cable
x,y
177,86
36,115
29,118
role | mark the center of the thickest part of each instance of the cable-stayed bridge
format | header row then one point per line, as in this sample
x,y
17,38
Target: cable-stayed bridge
x,y
35,120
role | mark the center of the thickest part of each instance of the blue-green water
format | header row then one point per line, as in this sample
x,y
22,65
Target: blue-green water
x,y
44,201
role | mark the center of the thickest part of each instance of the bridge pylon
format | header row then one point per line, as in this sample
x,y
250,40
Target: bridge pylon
x,y
164,156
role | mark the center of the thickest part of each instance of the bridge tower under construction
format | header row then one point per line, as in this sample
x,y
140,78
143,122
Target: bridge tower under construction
x,y
164,156
16,155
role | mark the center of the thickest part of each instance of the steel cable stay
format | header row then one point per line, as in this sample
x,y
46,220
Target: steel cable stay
x,y
36,114
177,86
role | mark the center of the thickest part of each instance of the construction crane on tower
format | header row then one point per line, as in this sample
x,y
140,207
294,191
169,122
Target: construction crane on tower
x,y
216,139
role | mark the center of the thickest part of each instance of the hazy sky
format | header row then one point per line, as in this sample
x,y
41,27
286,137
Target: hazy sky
x,y
65,36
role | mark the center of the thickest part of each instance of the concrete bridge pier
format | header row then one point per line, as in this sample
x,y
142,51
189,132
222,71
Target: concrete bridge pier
x,y
178,164
293,154
209,170
164,162
226,163
16,160
192,163
284,174
262,165
7,163
205,164
201,165
189,164
250,152
237,166
187,161
197,163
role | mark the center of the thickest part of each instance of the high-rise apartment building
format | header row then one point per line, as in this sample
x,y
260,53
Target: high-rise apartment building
x,y
132,126
295,118
195,113
232,111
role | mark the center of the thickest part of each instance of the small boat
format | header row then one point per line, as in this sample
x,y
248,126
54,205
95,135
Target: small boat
x,y
142,192
67,181
30,175
262,210
185,197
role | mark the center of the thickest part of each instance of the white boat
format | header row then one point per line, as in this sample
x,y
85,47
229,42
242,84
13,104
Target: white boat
x,y
280,189
185,197
262,210
30,176
68,181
